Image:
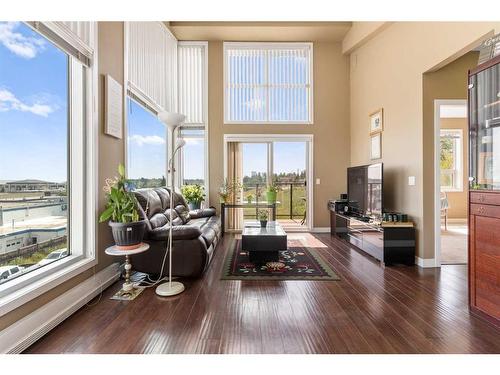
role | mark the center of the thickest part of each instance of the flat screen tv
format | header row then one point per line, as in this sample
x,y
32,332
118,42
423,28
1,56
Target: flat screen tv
x,y
365,190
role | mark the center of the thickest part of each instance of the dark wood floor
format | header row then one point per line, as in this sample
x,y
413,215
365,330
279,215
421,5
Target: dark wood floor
x,y
371,310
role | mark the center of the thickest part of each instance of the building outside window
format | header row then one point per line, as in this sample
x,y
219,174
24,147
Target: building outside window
x,y
451,159
268,83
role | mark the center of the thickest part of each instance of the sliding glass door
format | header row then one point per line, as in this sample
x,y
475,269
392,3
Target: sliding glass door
x,y
283,163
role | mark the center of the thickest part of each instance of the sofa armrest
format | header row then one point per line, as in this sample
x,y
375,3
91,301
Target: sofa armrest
x,y
206,212
179,232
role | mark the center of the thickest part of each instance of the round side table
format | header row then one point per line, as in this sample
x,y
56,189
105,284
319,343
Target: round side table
x,y
114,251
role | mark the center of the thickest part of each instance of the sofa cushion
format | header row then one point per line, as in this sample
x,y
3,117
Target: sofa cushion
x,y
205,212
164,197
176,219
150,201
179,232
158,220
208,234
183,213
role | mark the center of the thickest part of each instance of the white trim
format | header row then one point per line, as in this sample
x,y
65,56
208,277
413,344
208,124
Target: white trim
x,y
426,263
321,230
125,96
437,178
265,138
26,331
269,45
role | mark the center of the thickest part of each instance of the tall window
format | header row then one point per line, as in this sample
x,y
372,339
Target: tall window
x,y
192,100
268,83
451,159
45,119
146,147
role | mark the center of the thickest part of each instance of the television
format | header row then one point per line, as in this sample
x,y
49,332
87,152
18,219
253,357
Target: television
x,y
365,190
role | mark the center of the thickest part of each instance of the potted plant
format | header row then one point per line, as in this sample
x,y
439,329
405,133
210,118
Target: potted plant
x,y
250,198
272,192
194,195
225,192
121,211
263,215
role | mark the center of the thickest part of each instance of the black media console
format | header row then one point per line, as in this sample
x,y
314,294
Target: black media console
x,y
389,244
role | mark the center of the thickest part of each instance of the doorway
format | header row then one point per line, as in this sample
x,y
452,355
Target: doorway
x,y
451,155
282,160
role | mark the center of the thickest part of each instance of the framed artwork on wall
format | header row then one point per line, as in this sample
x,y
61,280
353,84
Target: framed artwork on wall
x,y
376,121
113,102
376,146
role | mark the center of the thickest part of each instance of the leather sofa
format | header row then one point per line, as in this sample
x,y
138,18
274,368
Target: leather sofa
x,y
195,234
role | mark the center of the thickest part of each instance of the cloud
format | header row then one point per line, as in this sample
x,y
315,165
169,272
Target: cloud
x,y
9,102
23,46
141,140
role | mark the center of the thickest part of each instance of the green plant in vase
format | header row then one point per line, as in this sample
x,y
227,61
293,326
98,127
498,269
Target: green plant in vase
x,y
263,215
272,192
194,195
121,212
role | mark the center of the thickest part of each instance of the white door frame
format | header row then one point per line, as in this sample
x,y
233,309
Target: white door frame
x,y
263,138
437,175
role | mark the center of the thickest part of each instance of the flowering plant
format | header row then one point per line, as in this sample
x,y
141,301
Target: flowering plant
x,y
122,203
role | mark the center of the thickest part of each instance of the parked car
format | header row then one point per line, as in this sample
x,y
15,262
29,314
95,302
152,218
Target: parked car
x,y
53,256
8,271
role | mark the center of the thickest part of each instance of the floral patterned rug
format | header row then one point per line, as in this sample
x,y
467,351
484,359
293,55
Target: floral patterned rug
x,y
296,263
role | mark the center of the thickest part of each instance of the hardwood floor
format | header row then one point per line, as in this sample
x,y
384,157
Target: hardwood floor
x,y
370,310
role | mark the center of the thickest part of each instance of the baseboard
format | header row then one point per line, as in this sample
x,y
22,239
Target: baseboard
x,y
456,221
321,230
26,331
425,263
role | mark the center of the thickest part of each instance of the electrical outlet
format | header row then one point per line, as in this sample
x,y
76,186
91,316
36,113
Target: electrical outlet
x,y
411,181
318,181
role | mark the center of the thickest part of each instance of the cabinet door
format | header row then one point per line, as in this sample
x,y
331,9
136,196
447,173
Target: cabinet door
x,y
485,264
484,128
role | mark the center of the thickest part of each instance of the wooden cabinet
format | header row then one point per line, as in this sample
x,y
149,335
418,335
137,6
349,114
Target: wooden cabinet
x,y
484,256
484,197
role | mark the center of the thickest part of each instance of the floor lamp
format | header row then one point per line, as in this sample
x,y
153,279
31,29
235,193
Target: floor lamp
x,y
172,120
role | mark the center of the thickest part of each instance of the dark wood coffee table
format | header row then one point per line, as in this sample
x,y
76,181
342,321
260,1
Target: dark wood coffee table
x,y
263,244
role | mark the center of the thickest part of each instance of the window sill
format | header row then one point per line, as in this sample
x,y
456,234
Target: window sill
x,y
27,287
452,190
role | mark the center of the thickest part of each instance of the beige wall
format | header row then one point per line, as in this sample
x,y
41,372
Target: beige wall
x,y
111,151
458,200
330,128
387,72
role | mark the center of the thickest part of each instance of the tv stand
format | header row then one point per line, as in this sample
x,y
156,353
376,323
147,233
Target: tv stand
x,y
390,245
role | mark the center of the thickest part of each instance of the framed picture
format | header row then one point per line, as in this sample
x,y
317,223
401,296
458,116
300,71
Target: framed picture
x,y
376,146
113,102
377,121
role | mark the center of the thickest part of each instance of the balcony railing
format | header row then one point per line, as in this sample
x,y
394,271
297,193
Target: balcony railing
x,y
291,200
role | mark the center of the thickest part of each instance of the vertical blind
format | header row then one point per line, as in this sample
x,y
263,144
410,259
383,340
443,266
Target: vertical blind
x,y
192,79
268,82
75,38
152,65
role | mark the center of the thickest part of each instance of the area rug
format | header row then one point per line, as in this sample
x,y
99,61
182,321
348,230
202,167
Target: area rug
x,y
296,263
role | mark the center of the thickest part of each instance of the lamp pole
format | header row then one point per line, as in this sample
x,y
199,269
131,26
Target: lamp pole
x,y
172,120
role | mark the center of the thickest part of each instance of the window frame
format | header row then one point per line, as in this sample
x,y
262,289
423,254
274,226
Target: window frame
x,y
458,169
269,45
82,188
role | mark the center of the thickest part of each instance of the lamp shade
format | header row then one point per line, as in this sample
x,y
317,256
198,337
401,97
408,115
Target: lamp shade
x,y
171,119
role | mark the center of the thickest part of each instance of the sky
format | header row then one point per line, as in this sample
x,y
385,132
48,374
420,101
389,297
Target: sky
x,y
34,119
287,158
33,106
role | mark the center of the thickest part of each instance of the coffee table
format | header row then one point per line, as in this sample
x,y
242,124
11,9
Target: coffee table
x,y
263,244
